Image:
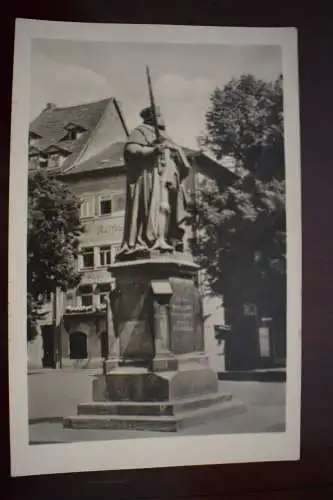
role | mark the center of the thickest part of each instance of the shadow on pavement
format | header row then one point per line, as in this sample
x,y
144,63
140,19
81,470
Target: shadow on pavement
x,y
41,420
254,375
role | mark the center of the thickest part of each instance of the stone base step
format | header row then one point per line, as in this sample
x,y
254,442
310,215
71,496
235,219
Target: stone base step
x,y
161,423
167,408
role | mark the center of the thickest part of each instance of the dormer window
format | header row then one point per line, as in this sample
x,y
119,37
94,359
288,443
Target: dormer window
x,y
34,157
33,137
42,161
54,157
74,132
72,135
33,152
34,161
54,160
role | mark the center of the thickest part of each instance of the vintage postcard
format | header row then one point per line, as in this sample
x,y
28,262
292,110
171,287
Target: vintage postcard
x,y
154,246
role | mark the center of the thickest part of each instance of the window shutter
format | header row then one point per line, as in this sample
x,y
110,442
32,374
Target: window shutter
x,y
120,202
87,207
92,207
114,250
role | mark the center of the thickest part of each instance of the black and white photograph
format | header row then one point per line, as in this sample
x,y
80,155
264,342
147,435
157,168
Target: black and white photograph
x,y
155,247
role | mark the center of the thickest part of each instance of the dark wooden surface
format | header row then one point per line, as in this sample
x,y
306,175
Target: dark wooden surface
x,y
311,477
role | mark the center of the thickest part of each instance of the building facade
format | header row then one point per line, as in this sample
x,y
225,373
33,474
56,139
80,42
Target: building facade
x,y
83,145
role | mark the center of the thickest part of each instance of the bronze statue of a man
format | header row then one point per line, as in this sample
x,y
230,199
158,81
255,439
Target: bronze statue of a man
x,y
156,200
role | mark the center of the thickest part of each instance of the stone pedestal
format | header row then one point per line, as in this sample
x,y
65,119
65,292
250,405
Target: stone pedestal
x,y
157,376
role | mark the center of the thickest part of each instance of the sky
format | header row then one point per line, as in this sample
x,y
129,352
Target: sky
x,y
67,72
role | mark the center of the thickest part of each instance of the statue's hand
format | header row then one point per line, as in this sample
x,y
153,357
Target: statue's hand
x,y
172,147
158,150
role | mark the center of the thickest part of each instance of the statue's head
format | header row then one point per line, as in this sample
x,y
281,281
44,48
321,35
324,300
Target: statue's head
x,y
147,116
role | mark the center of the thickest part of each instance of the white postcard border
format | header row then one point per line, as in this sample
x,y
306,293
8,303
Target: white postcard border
x,y
148,452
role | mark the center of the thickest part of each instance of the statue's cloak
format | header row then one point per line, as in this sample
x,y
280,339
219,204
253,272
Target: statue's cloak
x,y
144,188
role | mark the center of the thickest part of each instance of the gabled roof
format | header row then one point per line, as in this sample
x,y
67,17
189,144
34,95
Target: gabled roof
x,y
52,127
51,124
113,157
211,167
110,157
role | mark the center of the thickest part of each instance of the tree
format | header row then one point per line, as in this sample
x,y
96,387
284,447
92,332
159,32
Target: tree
x,y
245,121
241,240
54,229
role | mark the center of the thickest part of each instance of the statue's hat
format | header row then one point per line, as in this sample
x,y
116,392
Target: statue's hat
x,y
147,113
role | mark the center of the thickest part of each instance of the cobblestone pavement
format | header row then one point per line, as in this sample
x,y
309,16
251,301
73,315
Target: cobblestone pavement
x,y
55,394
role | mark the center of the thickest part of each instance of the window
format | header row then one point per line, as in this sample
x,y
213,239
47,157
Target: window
x,y
34,161
85,293
74,132
103,292
87,257
103,298
72,135
105,256
86,299
105,207
43,162
53,160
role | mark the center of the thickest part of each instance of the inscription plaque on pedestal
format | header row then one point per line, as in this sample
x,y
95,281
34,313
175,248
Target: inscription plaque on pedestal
x,y
186,334
134,310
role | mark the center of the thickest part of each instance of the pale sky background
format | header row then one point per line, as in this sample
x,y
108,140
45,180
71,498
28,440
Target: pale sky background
x,y
183,76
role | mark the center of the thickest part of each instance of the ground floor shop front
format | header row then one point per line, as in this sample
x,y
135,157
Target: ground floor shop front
x,y
80,340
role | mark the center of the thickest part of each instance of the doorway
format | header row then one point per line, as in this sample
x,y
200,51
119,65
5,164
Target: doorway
x,y
104,344
49,347
78,346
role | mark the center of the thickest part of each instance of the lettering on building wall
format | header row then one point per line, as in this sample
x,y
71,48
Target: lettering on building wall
x,y
113,228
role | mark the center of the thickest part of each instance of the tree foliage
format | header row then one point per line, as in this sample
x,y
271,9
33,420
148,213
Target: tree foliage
x,y
245,121
54,229
241,240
